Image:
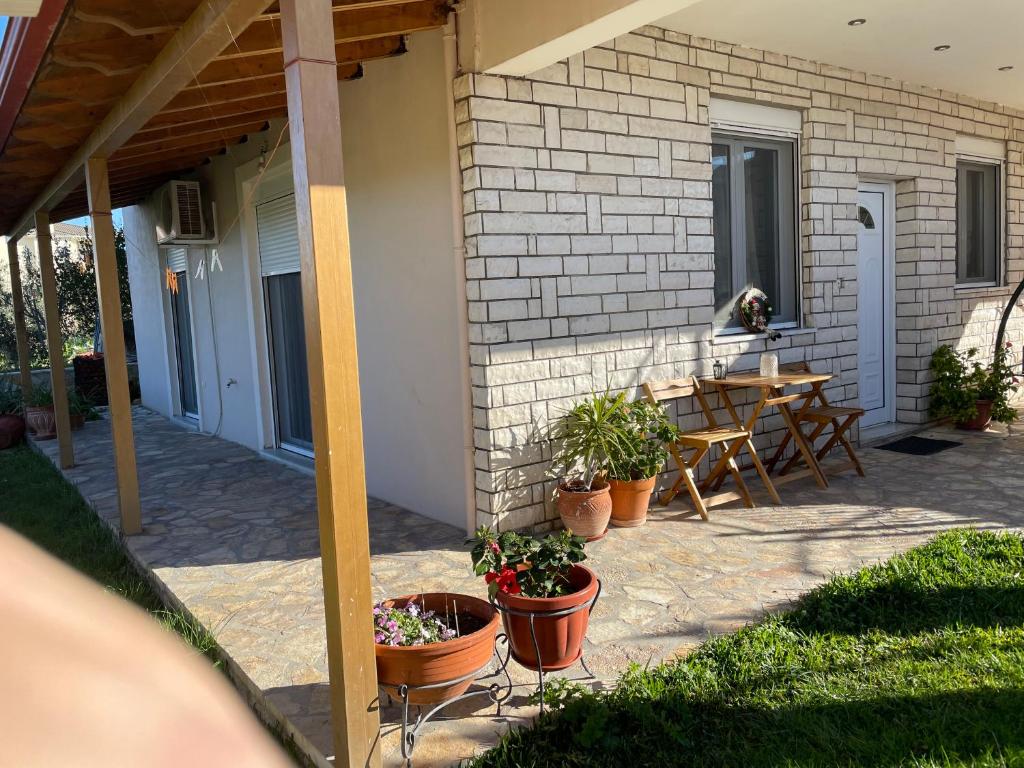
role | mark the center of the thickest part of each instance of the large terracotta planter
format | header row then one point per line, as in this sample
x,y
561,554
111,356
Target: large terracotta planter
x,y
12,430
981,420
585,513
559,638
439,662
630,500
41,421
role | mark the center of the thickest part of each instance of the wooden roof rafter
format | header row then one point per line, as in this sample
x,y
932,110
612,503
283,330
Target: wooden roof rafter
x,y
104,48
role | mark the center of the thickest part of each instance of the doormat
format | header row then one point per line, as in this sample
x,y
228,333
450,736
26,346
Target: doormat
x,y
919,446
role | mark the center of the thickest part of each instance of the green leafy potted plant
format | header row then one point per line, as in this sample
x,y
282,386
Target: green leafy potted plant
x,y
39,415
633,470
970,393
427,640
12,425
80,410
587,435
545,585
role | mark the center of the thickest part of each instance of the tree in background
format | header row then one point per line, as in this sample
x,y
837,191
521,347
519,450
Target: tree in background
x,y
76,301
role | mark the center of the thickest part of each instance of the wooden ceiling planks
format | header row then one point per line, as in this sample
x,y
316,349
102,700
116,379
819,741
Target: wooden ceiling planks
x,y
102,46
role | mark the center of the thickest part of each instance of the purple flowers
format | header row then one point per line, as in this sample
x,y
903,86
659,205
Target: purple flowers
x,y
409,625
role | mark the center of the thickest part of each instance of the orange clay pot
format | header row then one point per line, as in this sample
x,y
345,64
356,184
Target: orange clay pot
x,y
437,662
630,500
559,638
585,513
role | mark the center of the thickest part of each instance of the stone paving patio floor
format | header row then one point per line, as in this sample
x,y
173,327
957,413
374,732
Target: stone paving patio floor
x,y
233,537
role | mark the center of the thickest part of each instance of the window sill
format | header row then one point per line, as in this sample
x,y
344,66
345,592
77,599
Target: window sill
x,y
981,289
740,336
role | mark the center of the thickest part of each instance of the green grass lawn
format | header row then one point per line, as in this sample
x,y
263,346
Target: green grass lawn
x,y
915,662
39,504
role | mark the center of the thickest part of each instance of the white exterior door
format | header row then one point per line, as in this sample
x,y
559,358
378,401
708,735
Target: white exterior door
x,y
876,317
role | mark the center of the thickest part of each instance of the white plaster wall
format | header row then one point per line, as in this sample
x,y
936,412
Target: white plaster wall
x,y
397,175
147,284
395,138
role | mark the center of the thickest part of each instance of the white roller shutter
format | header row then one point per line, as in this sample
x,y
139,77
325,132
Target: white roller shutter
x,y
278,236
177,260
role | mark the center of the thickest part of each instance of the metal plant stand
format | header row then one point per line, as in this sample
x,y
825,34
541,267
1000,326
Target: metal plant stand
x,y
532,615
498,692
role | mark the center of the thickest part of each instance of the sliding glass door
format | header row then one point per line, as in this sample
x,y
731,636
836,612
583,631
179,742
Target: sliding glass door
x,y
282,288
288,348
181,330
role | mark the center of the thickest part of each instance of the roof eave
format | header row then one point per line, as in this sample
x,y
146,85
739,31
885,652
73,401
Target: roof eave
x,y
24,47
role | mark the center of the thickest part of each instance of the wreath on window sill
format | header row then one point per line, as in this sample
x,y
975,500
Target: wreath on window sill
x,y
756,313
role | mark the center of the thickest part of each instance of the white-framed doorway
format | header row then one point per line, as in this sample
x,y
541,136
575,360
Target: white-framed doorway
x,y
876,301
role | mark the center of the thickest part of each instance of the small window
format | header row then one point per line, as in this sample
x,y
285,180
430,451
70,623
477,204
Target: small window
x,y
977,222
866,219
753,191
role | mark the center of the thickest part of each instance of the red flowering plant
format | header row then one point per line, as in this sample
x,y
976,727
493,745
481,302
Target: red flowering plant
x,y
522,565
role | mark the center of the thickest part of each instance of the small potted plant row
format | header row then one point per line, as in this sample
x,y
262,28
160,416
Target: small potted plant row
x,y
970,393
610,453
435,642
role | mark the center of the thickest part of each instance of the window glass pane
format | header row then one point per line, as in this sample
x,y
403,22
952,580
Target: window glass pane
x,y
720,192
761,219
977,215
288,345
183,347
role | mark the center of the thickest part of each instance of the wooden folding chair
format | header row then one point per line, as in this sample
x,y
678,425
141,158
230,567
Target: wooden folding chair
x,y
817,410
700,441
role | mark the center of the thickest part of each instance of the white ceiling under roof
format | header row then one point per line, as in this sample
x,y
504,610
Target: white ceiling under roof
x,y
898,39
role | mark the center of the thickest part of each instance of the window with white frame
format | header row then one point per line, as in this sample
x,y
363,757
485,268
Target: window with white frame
x,y
978,213
753,185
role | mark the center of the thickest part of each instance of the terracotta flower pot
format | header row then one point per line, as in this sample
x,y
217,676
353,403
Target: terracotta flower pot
x,y
41,421
439,662
630,500
77,420
981,421
585,513
12,430
559,638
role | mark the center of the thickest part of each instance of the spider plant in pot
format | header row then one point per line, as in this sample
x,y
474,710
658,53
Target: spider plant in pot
x,y
586,436
39,417
646,431
12,425
539,584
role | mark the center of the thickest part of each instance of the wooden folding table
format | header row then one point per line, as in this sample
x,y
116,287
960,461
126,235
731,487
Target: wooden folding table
x,y
773,394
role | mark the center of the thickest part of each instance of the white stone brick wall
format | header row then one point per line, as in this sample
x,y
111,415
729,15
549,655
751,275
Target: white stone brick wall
x,y
590,246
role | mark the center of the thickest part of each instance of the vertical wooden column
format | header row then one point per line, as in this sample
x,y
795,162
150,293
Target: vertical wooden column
x,y
54,340
20,332
315,124
108,292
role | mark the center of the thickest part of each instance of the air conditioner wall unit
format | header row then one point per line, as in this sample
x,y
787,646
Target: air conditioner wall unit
x,y
182,216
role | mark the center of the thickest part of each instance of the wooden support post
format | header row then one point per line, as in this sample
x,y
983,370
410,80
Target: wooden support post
x,y
54,340
21,334
108,293
315,124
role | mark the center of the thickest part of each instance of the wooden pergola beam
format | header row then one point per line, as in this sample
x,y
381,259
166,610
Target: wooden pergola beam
x,y
207,144
54,340
20,331
177,140
329,311
207,32
264,64
115,363
350,24
276,104
228,123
